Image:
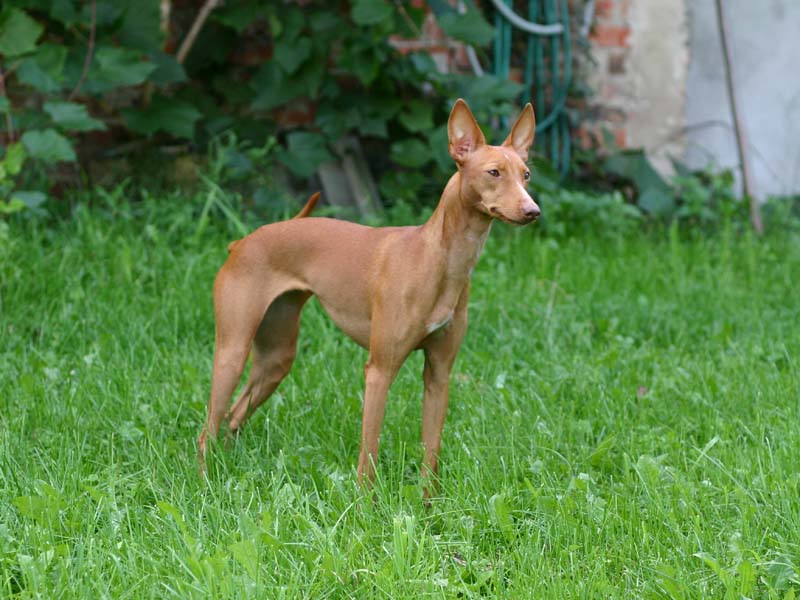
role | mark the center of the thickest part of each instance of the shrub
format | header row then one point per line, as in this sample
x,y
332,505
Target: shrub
x,y
84,80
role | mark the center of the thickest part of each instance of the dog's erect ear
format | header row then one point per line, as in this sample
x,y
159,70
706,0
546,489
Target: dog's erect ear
x,y
521,136
464,135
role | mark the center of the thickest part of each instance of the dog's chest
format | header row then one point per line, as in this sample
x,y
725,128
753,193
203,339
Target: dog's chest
x,y
453,280
443,309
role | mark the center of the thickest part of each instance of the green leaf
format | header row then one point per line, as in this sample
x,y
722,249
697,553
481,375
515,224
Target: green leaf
x,y
544,176
361,61
141,26
374,126
418,116
714,564
31,199
371,12
108,12
411,152
117,67
18,32
168,69
273,87
64,11
399,185
437,141
290,23
44,71
779,573
423,63
173,116
747,578
171,511
412,22
470,27
238,16
5,105
599,456
70,115
655,195
334,120
14,158
324,20
501,514
12,206
290,54
48,146
484,93
246,554
305,151
657,202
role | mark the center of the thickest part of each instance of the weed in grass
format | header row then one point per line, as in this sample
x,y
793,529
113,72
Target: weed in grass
x,y
623,423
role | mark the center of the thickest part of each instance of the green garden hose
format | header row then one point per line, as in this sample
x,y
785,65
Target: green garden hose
x,y
547,69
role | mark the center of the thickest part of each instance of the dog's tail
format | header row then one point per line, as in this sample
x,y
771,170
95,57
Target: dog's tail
x,y
304,212
310,204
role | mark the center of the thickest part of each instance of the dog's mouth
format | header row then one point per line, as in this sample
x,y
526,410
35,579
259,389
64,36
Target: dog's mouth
x,y
524,220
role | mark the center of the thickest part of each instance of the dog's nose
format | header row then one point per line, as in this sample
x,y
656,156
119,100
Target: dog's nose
x,y
531,212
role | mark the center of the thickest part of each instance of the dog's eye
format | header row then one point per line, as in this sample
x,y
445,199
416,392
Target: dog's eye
x,y
527,175
494,173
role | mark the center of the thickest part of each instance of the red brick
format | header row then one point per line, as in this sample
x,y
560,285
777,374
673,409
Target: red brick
x,y
405,46
610,35
604,9
620,138
584,137
297,113
431,29
460,57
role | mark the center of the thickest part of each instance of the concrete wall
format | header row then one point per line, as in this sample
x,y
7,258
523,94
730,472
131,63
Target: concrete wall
x,y
658,64
638,74
659,82
766,47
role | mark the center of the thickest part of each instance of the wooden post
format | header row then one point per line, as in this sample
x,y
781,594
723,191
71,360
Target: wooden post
x,y
738,128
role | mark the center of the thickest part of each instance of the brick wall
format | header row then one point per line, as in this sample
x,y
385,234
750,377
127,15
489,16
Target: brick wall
x,y
638,75
607,110
448,54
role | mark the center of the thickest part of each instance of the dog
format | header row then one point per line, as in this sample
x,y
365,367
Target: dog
x,y
391,289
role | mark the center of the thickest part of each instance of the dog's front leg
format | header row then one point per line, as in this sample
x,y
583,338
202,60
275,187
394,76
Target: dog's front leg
x,y
440,354
390,343
379,375
434,409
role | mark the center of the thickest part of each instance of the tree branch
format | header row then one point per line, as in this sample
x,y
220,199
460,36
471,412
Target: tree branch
x,y
89,52
738,125
9,120
189,40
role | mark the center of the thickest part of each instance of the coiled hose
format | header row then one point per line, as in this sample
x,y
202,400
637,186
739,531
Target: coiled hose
x,y
547,70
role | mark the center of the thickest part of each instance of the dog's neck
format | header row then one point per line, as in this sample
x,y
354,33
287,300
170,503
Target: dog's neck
x,y
458,228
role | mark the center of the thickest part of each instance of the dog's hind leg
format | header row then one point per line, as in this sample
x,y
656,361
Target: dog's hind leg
x,y
238,313
274,349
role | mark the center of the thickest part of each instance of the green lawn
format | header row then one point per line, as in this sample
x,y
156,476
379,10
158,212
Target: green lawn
x,y
624,423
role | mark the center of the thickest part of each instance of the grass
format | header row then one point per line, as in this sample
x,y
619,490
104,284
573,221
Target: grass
x,y
623,424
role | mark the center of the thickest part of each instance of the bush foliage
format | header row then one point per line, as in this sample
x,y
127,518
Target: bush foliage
x,y
88,79
275,84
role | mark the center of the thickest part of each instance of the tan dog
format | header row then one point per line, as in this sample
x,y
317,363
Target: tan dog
x,y
391,289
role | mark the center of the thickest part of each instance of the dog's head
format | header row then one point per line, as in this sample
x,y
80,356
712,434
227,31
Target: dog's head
x,y
494,178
